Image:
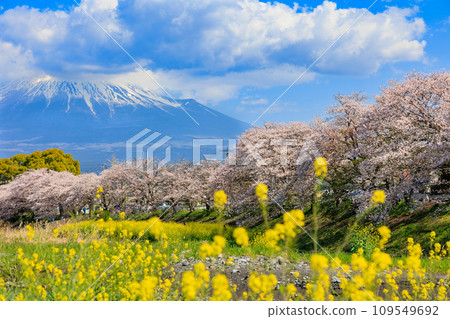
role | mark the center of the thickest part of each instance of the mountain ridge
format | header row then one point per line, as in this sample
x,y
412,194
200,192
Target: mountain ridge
x,y
46,113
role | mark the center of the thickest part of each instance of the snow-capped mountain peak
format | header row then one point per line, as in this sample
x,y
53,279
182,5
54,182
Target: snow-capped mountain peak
x,y
92,93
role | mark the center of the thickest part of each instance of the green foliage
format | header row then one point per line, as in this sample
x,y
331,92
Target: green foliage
x,y
400,209
25,216
142,215
105,215
9,169
53,159
366,238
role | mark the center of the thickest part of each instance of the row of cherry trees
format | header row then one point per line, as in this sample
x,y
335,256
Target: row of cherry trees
x,y
47,194
399,142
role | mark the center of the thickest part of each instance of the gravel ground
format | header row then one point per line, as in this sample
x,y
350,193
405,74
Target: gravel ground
x,y
240,268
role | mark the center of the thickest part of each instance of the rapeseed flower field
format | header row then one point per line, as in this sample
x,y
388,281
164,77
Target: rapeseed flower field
x,y
138,260
119,266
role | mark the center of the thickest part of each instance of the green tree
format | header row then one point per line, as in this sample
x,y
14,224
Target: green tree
x,y
54,159
9,169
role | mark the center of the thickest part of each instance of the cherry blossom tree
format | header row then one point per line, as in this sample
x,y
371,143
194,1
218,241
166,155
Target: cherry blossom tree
x,y
190,184
406,135
339,137
46,194
278,155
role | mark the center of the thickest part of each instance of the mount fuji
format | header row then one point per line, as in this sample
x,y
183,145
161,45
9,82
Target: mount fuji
x,y
93,120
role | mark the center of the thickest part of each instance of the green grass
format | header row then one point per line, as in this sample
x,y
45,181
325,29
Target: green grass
x,y
418,224
335,221
404,222
198,215
8,265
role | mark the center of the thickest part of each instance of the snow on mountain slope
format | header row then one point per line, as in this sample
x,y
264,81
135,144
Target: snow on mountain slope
x,y
114,95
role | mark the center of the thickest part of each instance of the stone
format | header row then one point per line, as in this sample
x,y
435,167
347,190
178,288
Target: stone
x,y
184,262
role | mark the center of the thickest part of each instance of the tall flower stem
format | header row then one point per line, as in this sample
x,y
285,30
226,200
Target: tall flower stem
x,y
261,191
321,169
220,221
315,218
220,199
263,206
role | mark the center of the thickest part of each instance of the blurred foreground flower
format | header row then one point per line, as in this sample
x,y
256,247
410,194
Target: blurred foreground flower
x,y
379,196
220,198
385,234
241,236
320,166
261,191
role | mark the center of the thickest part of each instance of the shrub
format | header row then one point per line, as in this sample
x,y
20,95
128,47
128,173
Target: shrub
x,y
365,238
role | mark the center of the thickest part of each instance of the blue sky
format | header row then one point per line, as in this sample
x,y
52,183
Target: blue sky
x,y
234,56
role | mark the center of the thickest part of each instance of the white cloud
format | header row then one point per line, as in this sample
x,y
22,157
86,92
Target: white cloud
x,y
249,101
260,108
65,42
15,61
222,35
32,27
378,39
215,88
207,49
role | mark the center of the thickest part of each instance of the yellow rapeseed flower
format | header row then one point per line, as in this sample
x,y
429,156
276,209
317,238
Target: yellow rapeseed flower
x,y
220,199
219,241
261,191
205,250
382,260
379,196
271,238
262,286
437,247
385,234
293,220
319,262
30,233
214,249
442,293
432,235
241,236
291,290
156,227
221,289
